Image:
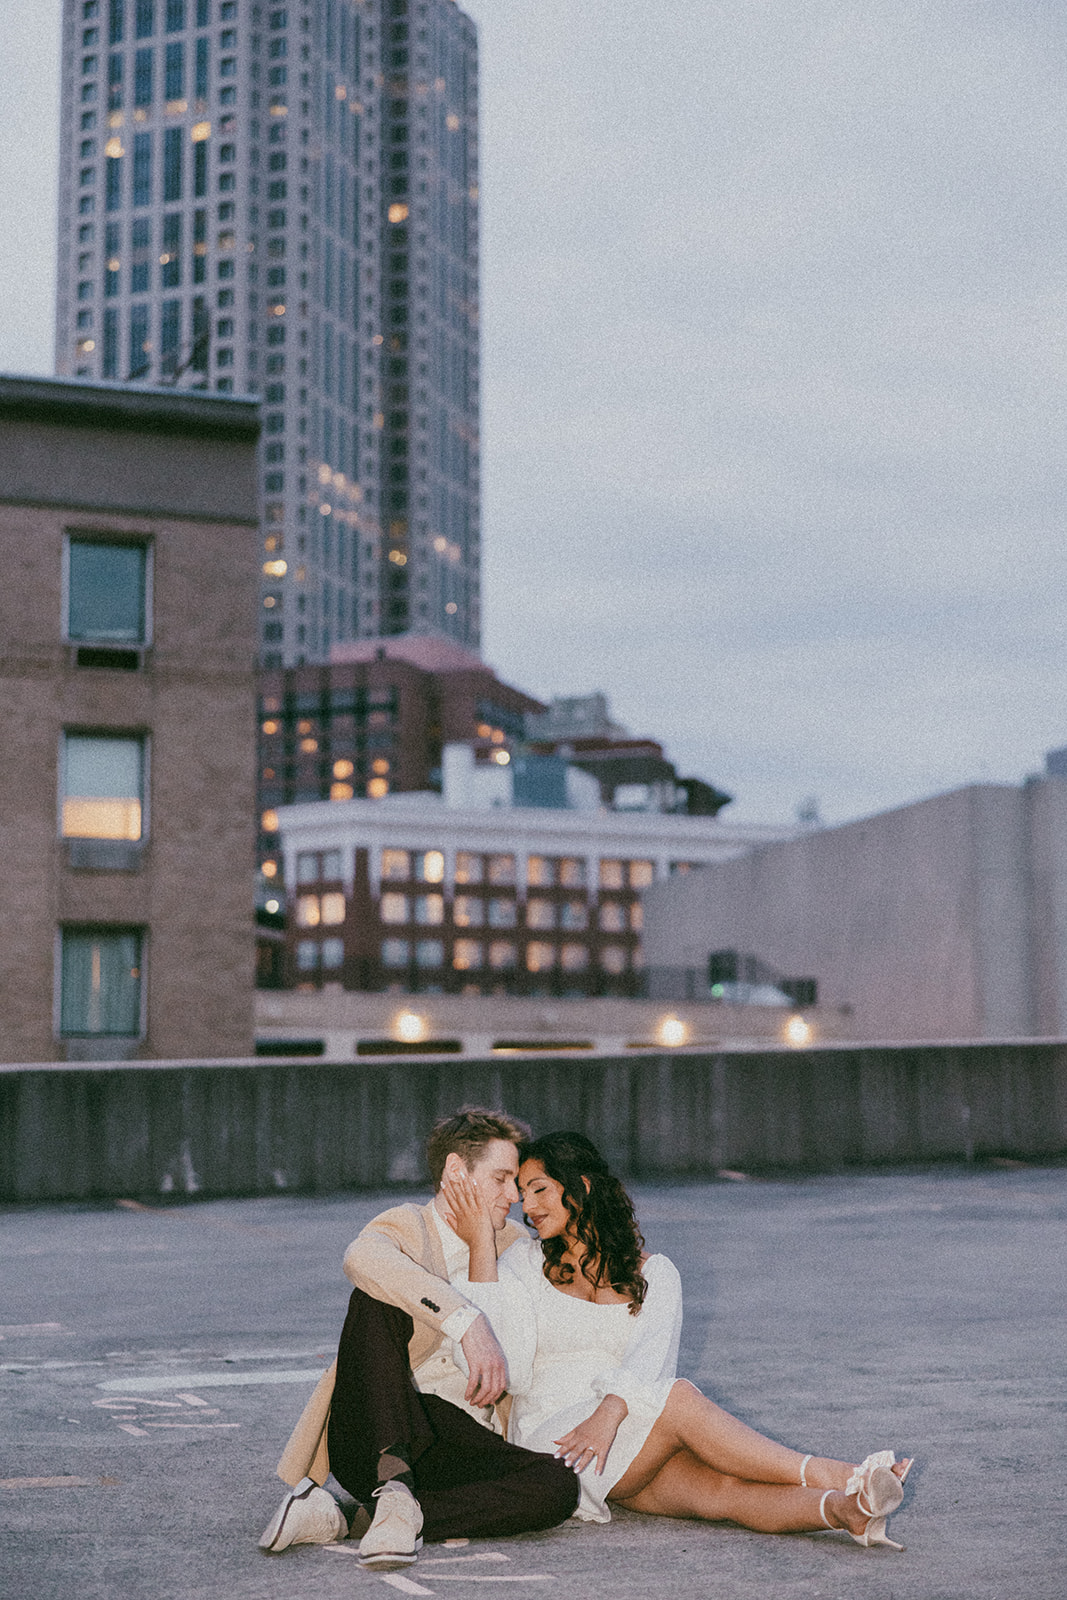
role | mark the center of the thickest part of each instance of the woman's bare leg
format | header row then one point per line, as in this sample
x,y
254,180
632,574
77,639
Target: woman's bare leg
x,y
686,1487
692,1422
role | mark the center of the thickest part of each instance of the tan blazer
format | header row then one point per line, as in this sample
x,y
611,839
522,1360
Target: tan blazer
x,y
398,1259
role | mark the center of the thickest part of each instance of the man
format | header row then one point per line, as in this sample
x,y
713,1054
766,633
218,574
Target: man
x,y
395,1419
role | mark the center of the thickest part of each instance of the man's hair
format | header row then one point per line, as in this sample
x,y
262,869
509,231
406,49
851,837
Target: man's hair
x,y
467,1133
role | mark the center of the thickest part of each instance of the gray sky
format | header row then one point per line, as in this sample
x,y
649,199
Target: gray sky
x,y
775,314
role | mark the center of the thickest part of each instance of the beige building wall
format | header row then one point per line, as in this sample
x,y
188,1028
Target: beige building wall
x,y
946,919
178,473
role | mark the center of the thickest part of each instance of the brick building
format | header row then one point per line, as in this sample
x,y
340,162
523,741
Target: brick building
x,y
128,615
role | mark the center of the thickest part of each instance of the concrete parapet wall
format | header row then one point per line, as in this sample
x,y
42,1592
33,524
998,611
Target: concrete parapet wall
x,y
256,1127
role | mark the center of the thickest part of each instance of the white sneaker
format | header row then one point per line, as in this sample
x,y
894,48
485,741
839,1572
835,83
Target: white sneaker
x,y
394,1537
307,1515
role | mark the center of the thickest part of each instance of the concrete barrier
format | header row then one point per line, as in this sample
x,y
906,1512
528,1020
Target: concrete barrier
x,y
90,1131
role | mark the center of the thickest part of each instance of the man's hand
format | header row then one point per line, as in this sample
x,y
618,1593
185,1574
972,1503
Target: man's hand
x,y
485,1359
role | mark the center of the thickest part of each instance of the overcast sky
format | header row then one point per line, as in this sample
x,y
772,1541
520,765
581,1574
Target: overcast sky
x,y
775,318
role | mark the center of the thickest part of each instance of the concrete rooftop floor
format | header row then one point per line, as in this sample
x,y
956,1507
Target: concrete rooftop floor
x,y
157,1357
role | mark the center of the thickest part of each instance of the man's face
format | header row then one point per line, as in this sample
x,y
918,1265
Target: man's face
x,y
494,1171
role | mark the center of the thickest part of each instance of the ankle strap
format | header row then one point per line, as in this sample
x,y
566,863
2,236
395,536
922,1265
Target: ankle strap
x,y
803,1469
822,1508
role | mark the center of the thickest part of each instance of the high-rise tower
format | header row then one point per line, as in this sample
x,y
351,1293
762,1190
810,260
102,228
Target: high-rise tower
x,y
282,200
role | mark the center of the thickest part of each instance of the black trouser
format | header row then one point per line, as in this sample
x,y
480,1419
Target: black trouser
x,y
469,1482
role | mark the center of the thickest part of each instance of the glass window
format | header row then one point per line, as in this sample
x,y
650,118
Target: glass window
x,y
540,957
637,916
574,957
308,911
142,78
467,954
172,164
501,869
396,865
468,867
574,914
572,873
100,982
146,18
502,913
174,71
612,916
307,867
429,953
611,874
106,591
540,872
102,784
333,910
430,867
468,911
395,953
502,955
613,959
175,16
641,874
393,907
430,909
540,914
142,169
333,954
307,955
116,21
331,866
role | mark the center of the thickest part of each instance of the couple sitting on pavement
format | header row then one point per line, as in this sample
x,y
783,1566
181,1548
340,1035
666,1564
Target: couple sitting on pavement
x,y
461,1328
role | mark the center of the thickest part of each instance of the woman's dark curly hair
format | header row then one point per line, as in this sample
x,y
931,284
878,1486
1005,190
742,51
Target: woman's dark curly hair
x,y
603,1217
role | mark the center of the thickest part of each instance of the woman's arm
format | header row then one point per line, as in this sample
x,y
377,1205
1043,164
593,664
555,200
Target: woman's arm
x,y
469,1216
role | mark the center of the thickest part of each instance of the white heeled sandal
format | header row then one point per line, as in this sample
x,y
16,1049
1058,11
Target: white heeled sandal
x,y
803,1470
878,1492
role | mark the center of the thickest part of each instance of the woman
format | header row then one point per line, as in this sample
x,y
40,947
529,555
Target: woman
x,y
590,1325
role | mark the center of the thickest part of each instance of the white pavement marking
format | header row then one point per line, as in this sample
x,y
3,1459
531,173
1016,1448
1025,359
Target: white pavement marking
x,y
192,1399
47,1483
491,1577
138,1433
199,1426
22,1330
210,1380
405,1585
482,1555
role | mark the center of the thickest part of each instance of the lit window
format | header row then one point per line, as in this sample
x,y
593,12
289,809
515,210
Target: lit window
x,y
100,983
395,953
574,958
612,917
540,872
343,769
572,873
102,787
501,869
378,788
429,953
468,867
393,907
106,592
333,910
430,867
468,911
540,957
502,913
333,954
341,791
308,911
268,821
540,914
396,865
271,726
466,954
611,875
430,909
502,955
637,916
641,874
613,959
574,914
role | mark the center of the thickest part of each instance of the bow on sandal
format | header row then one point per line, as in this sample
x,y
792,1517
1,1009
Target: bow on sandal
x,y
878,1492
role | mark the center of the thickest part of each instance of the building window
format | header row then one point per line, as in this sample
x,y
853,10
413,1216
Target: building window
x,y
170,335
102,787
429,953
502,913
308,911
142,78
175,16
396,865
540,957
333,910
113,183
201,68
395,953
503,955
142,169
430,909
107,588
140,347
174,71
540,914
468,911
467,955
172,164
613,959
307,867
203,13
333,954
307,955
111,343
430,867
146,18
393,907
171,256
574,914
540,872
114,82
642,874
574,957
501,869
612,917
100,984
611,875
116,21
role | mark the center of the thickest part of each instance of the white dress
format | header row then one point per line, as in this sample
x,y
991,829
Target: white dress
x,y
564,1355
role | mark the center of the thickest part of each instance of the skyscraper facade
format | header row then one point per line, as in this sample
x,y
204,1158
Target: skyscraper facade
x,y
282,200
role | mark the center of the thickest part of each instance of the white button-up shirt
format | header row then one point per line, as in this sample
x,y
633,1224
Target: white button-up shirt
x,y
439,1374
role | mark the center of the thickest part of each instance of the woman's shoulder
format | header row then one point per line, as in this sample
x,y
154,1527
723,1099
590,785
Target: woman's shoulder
x,y
523,1256
660,1270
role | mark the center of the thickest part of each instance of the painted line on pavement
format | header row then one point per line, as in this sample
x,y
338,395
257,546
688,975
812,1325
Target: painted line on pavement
x,y
405,1585
208,1380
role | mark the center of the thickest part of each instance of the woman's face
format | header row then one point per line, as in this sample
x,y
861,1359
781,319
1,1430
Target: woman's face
x,y
542,1201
